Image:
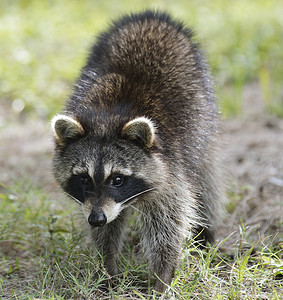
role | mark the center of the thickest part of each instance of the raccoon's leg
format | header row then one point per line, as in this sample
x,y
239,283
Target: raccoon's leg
x,y
165,257
162,238
209,203
108,240
204,234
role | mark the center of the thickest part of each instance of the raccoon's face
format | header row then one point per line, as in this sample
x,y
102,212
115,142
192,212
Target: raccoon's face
x,y
105,175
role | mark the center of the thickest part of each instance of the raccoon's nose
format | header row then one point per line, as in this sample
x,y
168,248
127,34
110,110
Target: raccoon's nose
x,y
97,220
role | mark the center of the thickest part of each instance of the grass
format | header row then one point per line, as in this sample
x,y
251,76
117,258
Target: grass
x,y
42,256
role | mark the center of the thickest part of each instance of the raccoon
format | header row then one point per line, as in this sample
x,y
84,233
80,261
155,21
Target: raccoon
x,y
139,132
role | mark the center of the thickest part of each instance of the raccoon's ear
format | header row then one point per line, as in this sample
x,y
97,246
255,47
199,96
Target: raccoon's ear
x,y
65,127
141,130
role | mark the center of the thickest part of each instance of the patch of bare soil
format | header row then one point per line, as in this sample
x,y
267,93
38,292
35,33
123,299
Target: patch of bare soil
x,y
253,161
252,151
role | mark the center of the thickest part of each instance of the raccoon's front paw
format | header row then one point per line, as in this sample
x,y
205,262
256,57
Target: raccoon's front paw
x,y
110,266
163,281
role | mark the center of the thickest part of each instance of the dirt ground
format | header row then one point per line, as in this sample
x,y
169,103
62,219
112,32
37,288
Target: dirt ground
x,y
253,144
252,154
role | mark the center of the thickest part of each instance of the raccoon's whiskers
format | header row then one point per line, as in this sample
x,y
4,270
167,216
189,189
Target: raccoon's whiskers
x,y
136,195
138,210
78,201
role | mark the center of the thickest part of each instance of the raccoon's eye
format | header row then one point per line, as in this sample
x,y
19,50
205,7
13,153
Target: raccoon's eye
x,y
85,180
117,180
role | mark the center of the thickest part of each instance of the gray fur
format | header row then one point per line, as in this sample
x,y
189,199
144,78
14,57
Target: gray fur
x,y
143,108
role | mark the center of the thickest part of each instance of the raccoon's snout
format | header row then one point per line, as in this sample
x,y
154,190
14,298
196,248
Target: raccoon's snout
x,y
97,219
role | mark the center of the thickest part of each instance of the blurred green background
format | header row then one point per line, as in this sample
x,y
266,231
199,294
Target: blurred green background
x,y
44,45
